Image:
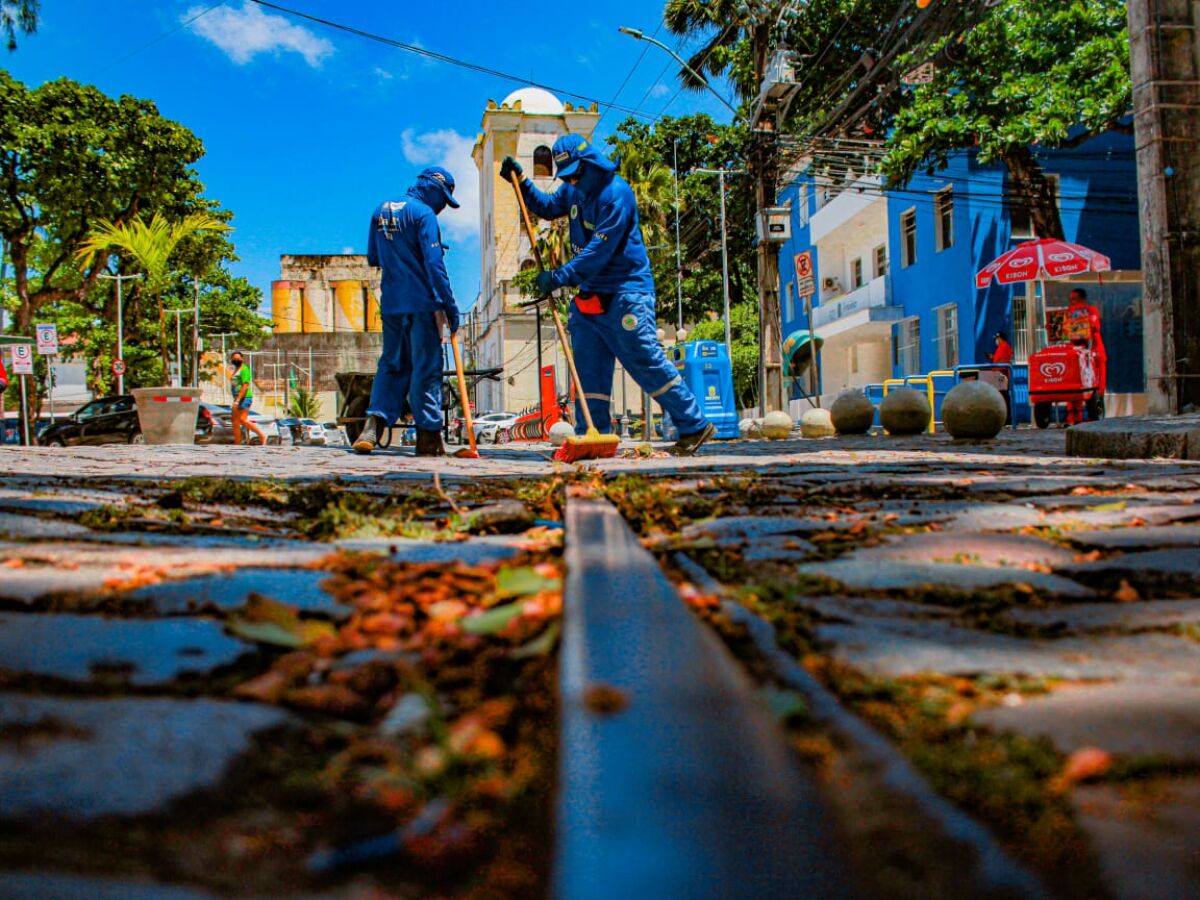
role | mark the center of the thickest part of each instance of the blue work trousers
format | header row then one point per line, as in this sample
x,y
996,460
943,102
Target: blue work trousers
x,y
628,332
409,375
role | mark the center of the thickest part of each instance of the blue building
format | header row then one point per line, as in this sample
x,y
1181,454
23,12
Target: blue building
x,y
895,269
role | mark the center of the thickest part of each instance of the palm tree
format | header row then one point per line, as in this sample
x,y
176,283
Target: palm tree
x,y
654,187
18,15
723,18
304,405
150,245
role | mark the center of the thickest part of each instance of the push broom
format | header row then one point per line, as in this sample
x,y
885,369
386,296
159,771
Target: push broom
x,y
592,445
473,453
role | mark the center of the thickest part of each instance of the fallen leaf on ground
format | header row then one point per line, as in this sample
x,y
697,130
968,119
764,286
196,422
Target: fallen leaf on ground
x,y
1126,593
1085,763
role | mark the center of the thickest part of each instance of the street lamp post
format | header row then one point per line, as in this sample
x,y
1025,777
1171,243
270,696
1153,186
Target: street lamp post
x,y
721,173
638,35
120,324
179,314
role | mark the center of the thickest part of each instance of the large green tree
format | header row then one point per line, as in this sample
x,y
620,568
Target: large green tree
x,y
1031,73
69,157
1004,77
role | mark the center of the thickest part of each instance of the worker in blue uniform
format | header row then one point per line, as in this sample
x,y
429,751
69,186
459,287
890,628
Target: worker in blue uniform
x,y
612,316
416,303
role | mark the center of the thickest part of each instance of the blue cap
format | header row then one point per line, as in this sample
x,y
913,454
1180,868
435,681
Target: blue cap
x,y
443,179
572,149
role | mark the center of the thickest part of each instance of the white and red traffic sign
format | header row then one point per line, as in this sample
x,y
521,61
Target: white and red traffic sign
x,y
47,339
806,284
118,367
22,359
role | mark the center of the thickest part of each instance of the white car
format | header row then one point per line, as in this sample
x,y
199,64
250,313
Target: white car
x,y
312,432
491,427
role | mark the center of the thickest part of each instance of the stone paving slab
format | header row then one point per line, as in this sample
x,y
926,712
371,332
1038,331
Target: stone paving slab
x,y
1137,437
226,591
150,651
1106,616
900,647
1180,561
88,758
986,549
16,525
1151,536
896,575
43,885
1147,847
476,551
1133,718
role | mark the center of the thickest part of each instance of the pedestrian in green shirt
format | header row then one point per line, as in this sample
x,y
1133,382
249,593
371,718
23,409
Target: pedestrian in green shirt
x,y
241,385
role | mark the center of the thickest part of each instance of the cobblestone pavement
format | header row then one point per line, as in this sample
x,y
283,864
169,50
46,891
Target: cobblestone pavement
x,y
1025,626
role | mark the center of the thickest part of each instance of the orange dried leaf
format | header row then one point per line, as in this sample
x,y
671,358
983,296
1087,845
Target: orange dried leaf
x,y
1085,763
1126,593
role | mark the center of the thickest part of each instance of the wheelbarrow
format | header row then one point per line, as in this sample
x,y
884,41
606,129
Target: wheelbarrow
x,y
355,388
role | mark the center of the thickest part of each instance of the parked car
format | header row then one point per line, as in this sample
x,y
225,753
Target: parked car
x,y
312,432
109,420
334,434
214,425
492,426
292,424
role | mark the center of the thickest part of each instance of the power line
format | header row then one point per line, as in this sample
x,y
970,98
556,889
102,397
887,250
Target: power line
x,y
445,58
637,62
161,37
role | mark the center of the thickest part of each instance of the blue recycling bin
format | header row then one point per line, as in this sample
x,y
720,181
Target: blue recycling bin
x,y
875,394
705,368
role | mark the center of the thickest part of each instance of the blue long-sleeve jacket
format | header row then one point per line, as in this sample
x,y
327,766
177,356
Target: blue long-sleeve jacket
x,y
610,256
406,242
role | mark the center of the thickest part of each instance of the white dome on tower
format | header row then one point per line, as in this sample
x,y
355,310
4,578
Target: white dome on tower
x,y
535,100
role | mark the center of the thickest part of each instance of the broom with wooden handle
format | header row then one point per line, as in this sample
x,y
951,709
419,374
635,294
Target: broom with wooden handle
x,y
592,445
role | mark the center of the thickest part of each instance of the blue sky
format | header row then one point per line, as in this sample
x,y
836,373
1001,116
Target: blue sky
x,y
307,128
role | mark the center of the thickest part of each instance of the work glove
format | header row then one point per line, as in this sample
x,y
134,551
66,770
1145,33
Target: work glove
x,y
545,283
452,317
509,166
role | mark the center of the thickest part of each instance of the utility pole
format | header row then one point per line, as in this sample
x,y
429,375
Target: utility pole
x,y
678,252
721,173
763,168
196,334
1165,64
120,323
179,314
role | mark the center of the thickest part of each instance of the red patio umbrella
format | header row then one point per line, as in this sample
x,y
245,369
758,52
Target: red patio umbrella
x,y
1045,258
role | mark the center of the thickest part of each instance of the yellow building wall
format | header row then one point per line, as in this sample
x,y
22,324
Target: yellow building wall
x,y
285,307
350,307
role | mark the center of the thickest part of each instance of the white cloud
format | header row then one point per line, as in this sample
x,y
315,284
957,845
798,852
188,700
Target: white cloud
x,y
384,74
451,150
660,90
246,32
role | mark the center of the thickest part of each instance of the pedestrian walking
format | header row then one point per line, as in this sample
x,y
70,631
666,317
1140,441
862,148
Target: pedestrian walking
x,y
612,317
417,303
241,385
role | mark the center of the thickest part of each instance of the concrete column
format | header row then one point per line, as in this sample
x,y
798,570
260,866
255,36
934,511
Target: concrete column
x,y
1165,63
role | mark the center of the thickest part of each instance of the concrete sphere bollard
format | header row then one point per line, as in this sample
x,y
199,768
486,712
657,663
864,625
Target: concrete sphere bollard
x,y
744,426
776,425
559,432
852,413
974,410
816,423
904,412
754,432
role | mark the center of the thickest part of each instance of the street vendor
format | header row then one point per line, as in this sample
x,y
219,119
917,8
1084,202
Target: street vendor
x,y
1083,328
1003,354
417,303
612,316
